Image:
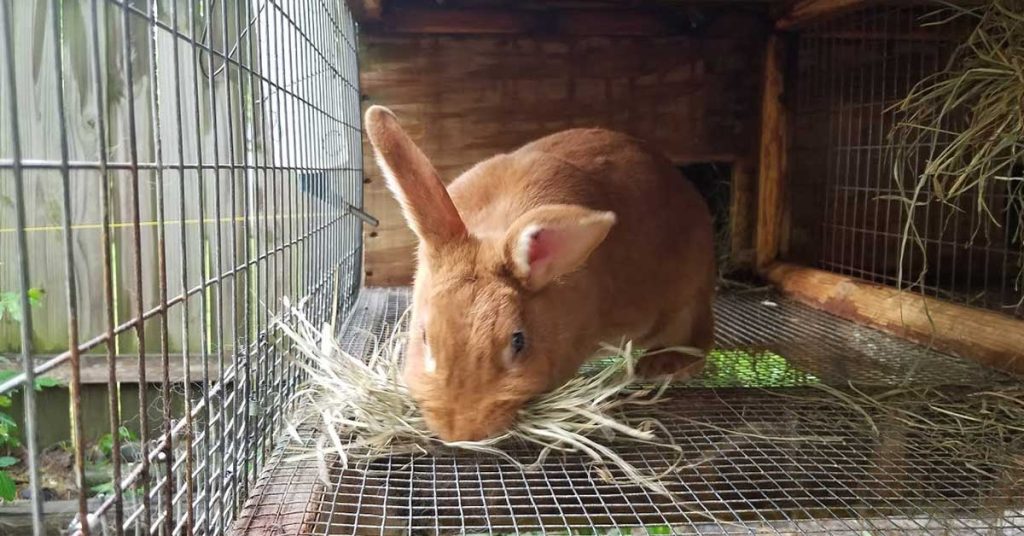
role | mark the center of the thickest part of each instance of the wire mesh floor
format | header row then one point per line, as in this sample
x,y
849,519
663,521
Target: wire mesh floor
x,y
772,453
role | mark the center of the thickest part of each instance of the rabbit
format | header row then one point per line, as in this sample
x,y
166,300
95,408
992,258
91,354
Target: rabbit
x,y
529,261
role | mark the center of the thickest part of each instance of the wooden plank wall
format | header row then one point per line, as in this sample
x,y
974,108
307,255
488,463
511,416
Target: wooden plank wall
x,y
465,98
283,198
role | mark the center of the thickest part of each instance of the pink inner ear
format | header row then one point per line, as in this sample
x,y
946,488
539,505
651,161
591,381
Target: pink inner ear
x,y
541,246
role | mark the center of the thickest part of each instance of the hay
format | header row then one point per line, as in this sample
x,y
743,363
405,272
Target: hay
x,y
968,124
362,411
979,428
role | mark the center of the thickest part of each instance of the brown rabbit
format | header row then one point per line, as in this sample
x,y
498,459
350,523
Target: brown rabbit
x,y
530,260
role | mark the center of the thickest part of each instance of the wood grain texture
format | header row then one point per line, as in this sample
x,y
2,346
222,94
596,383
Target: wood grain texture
x,y
284,500
565,22
806,11
94,369
285,210
987,337
743,212
774,148
466,98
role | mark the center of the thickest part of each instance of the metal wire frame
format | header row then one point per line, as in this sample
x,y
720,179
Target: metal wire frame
x,y
849,72
233,159
769,456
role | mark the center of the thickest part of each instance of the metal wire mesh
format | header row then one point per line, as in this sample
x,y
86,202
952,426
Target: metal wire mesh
x,y
769,457
176,168
849,72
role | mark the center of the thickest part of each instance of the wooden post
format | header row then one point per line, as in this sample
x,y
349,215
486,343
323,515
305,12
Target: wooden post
x,y
987,337
774,145
743,211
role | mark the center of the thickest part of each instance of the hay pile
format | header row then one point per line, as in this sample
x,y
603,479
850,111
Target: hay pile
x,y
966,124
362,411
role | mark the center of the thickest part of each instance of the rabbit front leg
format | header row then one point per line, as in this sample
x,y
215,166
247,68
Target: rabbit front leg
x,y
660,364
694,328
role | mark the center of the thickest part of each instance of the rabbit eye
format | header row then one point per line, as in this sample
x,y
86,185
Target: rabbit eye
x,y
518,341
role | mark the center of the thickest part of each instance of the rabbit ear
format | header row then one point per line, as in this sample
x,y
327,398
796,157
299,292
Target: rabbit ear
x,y
425,202
553,240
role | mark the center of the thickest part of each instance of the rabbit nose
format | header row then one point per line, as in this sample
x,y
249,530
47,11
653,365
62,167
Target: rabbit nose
x,y
461,431
453,428
466,435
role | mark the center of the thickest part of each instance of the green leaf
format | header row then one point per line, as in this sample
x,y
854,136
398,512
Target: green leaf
x,y
106,444
106,488
126,434
7,461
45,381
5,401
35,295
6,420
8,490
659,529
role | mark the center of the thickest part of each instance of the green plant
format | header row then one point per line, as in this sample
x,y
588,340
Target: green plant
x,y
11,308
8,428
8,490
754,369
106,441
10,303
104,488
8,440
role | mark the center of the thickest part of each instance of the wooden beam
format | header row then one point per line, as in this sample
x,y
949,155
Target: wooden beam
x,y
16,516
492,21
459,21
615,23
774,146
987,337
283,501
804,12
94,369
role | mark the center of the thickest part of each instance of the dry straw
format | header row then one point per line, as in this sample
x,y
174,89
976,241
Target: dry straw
x,y
361,411
967,123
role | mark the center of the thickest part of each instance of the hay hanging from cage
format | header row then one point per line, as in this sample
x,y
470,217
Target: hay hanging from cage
x,y
361,411
967,121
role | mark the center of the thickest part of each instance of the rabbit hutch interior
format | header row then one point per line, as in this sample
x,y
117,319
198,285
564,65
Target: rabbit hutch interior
x,y
185,182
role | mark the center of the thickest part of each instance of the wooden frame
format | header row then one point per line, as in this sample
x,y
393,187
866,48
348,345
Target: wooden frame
x,y
504,21
988,337
807,11
774,148
93,368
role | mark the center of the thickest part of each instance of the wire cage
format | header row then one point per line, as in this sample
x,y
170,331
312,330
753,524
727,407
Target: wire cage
x,y
770,454
169,171
848,216
769,457
172,171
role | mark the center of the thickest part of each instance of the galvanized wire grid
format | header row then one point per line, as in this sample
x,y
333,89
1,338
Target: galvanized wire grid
x,y
773,460
178,168
849,71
